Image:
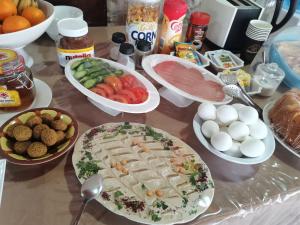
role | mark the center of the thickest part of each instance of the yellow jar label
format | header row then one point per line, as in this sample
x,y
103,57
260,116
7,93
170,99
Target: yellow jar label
x,y
9,98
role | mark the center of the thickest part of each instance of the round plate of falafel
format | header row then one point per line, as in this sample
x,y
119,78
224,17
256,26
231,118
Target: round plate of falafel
x,y
37,136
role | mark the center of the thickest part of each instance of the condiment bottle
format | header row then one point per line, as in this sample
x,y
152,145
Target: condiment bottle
x,y
126,55
142,20
197,27
75,42
143,48
269,77
117,39
174,13
17,89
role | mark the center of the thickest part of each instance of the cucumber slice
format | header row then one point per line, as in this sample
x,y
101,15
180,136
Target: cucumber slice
x,y
81,67
90,83
93,70
95,74
84,79
75,65
104,72
119,72
87,65
99,79
79,74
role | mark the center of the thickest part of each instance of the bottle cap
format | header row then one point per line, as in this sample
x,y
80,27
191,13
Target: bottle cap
x,y
126,49
200,18
118,37
71,27
174,9
143,45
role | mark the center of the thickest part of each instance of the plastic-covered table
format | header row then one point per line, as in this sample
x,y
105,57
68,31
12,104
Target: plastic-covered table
x,y
268,193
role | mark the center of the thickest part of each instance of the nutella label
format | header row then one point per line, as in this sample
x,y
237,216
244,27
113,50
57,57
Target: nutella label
x,y
65,55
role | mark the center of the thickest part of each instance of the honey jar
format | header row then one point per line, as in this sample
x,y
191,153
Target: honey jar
x,y
17,90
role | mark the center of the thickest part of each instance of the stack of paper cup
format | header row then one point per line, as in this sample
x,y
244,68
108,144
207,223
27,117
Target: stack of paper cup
x,y
259,30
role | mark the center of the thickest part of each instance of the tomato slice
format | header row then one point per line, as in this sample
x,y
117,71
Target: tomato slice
x,y
129,94
140,93
99,91
128,81
119,98
114,82
105,87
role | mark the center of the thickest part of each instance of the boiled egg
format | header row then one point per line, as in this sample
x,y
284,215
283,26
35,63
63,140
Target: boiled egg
x,y
238,106
226,114
238,130
209,128
248,115
234,151
207,111
221,141
258,130
252,148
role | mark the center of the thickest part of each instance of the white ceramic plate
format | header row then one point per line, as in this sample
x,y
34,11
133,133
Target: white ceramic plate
x,y
266,111
2,175
268,141
149,166
42,99
150,104
151,61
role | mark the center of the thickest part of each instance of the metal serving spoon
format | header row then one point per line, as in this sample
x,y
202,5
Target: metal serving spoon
x,y
90,189
236,92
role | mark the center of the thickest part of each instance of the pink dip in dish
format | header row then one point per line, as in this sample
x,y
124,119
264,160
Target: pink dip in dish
x,y
190,80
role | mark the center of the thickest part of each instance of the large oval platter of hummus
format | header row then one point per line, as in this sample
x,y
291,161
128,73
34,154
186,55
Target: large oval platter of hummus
x,y
150,176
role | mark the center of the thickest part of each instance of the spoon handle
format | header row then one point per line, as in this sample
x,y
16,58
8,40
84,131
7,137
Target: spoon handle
x,y
76,221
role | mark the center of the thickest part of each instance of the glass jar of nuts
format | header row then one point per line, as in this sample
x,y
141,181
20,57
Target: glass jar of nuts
x,y
142,20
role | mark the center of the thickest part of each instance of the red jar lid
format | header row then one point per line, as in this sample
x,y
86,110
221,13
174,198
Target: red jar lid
x,y
174,9
200,18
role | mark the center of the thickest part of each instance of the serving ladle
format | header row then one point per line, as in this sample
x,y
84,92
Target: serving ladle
x,y
90,189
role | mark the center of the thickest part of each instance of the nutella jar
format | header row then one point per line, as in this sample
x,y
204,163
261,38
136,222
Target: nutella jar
x,y
74,42
17,90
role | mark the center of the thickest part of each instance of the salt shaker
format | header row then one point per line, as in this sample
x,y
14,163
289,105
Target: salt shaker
x,y
117,39
269,77
143,48
126,55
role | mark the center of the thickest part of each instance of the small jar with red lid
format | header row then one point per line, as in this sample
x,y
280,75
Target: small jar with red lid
x,y
197,28
17,90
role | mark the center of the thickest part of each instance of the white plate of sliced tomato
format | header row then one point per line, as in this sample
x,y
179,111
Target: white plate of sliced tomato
x,y
112,85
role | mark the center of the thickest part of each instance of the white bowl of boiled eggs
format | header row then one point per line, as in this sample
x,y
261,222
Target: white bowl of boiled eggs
x,y
234,133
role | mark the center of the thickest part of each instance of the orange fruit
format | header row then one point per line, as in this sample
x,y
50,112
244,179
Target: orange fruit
x,y
15,23
7,8
34,15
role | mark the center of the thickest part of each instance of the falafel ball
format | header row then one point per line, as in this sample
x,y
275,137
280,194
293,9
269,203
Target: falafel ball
x,y
22,133
37,130
47,118
37,150
49,137
9,130
20,147
33,121
60,136
59,125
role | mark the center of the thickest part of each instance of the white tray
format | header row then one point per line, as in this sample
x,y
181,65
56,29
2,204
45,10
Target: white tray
x,y
268,141
173,94
112,107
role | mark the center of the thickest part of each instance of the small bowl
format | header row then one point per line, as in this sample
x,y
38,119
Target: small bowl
x,y
58,151
62,12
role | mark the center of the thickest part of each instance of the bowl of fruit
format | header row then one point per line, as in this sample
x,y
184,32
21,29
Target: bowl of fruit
x,y
111,86
22,22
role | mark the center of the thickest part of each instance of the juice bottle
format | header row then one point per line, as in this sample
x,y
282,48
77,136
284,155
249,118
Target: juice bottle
x,y
174,13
